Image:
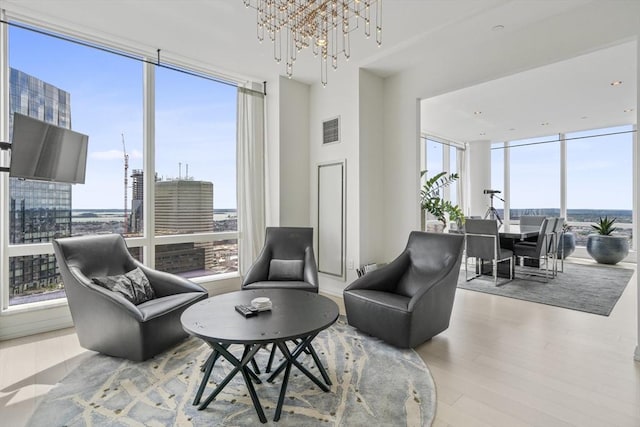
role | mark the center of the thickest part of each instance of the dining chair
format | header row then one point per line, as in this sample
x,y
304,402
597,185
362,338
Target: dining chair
x,y
483,243
531,220
538,250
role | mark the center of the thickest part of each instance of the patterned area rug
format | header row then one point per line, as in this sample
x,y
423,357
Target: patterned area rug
x,y
373,384
591,288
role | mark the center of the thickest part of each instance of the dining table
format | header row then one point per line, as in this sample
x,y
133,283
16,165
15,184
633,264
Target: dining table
x,y
516,232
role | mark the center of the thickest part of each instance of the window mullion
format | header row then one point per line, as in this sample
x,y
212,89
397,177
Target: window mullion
x,y
149,125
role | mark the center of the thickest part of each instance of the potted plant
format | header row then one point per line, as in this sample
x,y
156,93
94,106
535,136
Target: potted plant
x,y
567,242
432,202
604,247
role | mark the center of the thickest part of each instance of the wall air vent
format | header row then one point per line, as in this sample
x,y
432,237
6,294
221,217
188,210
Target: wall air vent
x,y
331,131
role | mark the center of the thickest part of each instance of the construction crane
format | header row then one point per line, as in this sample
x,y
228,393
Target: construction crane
x,y
126,173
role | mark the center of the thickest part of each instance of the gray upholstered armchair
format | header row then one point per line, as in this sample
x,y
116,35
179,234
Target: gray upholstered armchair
x,y
105,320
286,261
408,301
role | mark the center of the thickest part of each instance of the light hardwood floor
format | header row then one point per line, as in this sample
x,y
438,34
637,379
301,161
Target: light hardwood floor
x,y
502,362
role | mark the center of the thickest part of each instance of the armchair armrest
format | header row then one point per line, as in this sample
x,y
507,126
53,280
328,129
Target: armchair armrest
x,y
168,284
444,278
310,268
259,270
385,278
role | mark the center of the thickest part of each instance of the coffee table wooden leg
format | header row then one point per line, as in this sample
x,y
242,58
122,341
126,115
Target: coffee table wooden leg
x,y
239,366
207,368
205,378
295,353
271,356
285,380
255,377
252,392
292,358
316,359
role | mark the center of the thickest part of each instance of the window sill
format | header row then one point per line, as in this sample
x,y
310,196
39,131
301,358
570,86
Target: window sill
x,y
215,278
34,306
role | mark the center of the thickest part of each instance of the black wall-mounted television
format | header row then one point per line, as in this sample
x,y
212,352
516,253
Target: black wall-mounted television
x,y
45,152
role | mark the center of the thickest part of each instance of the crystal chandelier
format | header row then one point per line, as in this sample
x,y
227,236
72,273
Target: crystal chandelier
x,y
323,25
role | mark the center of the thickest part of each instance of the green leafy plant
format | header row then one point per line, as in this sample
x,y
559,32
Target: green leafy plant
x,y
432,202
605,226
566,227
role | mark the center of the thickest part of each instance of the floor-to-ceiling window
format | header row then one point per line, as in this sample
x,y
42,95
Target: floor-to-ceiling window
x,y
599,179
100,93
534,168
439,155
195,160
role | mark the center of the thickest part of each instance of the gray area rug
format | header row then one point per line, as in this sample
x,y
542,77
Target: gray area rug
x,y
591,288
373,385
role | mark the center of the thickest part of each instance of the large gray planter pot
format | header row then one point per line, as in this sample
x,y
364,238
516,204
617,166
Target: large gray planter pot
x,y
607,249
566,245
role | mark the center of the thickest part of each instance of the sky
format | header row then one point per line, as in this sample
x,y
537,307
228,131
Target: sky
x,y
195,118
599,171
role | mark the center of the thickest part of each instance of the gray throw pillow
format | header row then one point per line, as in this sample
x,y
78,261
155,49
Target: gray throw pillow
x,y
286,269
133,285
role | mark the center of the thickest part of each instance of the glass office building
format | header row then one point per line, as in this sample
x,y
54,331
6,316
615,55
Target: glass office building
x,y
39,211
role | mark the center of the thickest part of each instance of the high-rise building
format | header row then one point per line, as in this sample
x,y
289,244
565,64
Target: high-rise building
x,y
137,196
38,211
182,206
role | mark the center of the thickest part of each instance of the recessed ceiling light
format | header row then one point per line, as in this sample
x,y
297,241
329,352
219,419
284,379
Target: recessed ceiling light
x,y
477,113
512,128
616,83
482,134
544,124
628,110
584,117
497,28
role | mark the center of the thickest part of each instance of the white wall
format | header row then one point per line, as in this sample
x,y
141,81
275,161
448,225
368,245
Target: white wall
x,y
294,154
373,210
338,98
272,154
479,153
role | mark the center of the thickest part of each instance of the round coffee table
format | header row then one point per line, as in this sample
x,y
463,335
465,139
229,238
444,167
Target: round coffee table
x,y
295,316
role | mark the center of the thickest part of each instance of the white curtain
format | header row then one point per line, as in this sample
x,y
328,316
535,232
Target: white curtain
x,y
251,176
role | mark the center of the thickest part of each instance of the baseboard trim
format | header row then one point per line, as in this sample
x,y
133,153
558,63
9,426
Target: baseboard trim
x,y
335,291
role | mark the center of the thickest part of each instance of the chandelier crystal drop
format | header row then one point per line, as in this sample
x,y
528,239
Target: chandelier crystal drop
x,y
323,25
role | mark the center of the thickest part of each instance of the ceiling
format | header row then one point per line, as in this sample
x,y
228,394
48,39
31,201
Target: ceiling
x,y
571,95
220,35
